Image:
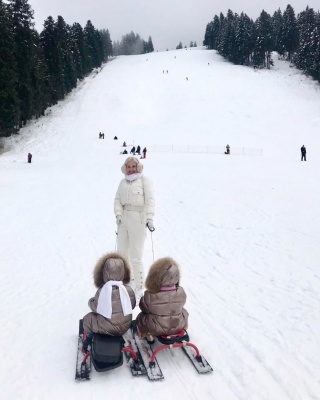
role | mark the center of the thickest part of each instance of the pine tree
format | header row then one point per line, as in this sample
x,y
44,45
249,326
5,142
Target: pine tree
x,y
109,44
94,46
9,111
54,61
308,51
265,40
78,48
68,68
244,40
289,33
213,33
106,44
116,48
22,30
228,37
131,43
150,45
207,36
38,78
220,38
277,26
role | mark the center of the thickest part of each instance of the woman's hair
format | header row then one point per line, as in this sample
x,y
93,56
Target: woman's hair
x,y
134,159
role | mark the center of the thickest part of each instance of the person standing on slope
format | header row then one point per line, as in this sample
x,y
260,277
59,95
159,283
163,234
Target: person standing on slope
x,y
303,153
134,208
144,153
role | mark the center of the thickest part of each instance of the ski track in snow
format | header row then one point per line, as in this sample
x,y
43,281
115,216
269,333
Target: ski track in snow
x,y
243,228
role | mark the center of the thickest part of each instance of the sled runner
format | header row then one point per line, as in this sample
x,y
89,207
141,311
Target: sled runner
x,y
106,353
179,340
84,363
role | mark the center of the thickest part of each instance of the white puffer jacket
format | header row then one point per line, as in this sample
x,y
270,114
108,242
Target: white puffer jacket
x,y
138,193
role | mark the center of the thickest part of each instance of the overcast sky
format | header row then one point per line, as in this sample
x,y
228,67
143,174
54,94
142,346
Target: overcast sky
x,y
167,21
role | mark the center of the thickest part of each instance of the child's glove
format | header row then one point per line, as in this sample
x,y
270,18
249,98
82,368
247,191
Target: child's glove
x,y
150,225
118,217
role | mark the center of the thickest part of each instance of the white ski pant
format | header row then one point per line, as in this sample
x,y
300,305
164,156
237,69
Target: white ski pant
x,y
131,237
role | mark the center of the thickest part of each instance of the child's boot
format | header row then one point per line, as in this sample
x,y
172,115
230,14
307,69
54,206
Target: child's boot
x,y
150,339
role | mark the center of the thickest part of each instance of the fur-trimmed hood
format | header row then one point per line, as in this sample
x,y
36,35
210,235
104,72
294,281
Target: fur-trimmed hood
x,y
164,272
111,266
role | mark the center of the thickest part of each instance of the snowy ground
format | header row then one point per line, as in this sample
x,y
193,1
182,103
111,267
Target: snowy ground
x,y
245,229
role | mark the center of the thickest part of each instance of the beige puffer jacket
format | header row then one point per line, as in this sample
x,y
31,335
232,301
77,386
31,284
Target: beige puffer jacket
x,y
136,193
111,266
163,301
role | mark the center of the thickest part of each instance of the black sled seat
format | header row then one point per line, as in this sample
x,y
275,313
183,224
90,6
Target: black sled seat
x,y
179,337
106,352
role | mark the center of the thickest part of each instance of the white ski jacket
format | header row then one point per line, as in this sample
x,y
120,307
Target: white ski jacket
x,y
137,195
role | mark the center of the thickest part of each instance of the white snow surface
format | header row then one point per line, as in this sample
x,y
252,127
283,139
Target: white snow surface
x,y
244,228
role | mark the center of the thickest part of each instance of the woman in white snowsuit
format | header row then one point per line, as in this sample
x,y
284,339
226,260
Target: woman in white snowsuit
x,y
134,207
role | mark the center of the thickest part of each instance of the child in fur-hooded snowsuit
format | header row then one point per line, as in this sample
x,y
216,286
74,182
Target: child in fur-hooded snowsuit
x,y
114,300
163,301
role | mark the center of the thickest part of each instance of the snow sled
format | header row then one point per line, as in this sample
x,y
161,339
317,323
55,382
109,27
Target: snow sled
x,y
106,352
148,351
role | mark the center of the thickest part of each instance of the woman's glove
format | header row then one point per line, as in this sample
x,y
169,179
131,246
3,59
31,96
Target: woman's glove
x,y
118,217
150,225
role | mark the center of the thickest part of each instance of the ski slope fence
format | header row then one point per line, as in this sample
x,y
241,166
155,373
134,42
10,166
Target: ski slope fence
x,y
238,151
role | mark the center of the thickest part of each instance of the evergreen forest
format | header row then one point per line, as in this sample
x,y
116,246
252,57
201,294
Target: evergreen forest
x,y
243,41
39,69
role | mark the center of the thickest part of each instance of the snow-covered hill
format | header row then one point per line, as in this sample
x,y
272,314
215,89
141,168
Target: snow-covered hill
x,y
244,228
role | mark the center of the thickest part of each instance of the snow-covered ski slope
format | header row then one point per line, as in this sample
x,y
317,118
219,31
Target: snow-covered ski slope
x,y
245,229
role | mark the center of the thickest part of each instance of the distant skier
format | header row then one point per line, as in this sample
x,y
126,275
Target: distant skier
x,y
144,153
227,149
303,153
29,158
124,144
115,138
100,135
133,150
138,150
